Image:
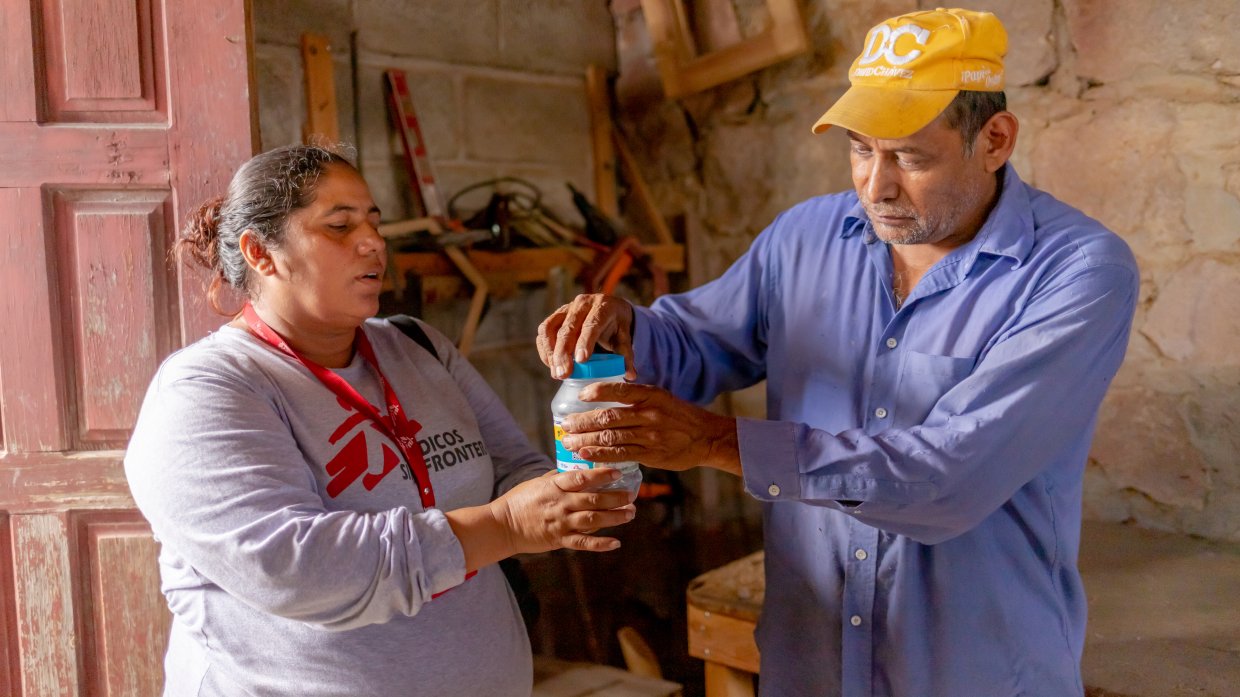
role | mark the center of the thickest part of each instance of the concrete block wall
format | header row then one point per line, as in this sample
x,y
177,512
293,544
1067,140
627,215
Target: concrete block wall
x,y
1130,111
499,87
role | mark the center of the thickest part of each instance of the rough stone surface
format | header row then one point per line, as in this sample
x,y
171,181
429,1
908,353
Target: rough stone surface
x,y
1156,464
1031,47
1136,39
1193,320
528,122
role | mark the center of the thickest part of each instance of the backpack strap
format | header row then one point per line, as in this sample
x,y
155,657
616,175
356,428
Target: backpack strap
x,y
413,330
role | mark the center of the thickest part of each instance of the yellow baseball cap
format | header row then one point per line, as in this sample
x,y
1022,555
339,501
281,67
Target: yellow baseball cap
x,y
912,68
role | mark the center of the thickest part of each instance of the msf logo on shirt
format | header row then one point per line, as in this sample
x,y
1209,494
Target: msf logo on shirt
x,y
881,44
353,460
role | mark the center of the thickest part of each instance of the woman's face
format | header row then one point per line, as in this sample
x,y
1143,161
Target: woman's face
x,y
329,269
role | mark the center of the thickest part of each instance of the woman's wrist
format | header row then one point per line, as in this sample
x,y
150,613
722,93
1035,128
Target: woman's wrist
x,y
483,537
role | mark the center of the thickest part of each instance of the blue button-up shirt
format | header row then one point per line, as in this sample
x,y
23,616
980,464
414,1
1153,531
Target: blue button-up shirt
x,y
922,465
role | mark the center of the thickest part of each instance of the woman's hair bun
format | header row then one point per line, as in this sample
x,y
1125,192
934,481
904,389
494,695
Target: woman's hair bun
x,y
200,237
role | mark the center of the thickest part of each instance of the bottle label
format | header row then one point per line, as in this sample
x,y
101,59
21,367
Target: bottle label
x,y
565,460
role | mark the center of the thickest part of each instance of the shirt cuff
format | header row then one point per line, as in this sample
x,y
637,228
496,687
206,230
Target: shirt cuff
x,y
769,459
443,559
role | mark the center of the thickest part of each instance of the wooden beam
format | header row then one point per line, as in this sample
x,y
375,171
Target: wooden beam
x,y
322,122
524,265
599,100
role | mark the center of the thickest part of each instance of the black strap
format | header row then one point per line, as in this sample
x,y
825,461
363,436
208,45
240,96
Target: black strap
x,y
414,331
518,578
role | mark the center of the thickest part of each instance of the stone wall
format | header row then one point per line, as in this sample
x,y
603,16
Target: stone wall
x,y
1130,111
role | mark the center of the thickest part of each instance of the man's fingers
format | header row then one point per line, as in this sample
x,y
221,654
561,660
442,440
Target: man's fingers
x,y
547,331
566,339
618,453
592,328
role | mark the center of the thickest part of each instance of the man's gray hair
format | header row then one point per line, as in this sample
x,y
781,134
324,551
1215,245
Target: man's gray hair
x,y
970,110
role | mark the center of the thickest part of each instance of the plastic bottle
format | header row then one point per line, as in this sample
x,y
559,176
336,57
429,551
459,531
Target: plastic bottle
x,y
599,368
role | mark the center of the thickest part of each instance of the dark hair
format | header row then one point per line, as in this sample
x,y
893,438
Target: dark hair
x,y
261,196
970,110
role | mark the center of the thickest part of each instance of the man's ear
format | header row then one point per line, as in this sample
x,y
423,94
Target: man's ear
x,y
997,140
256,255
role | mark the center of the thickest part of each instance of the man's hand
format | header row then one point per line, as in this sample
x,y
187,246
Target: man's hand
x,y
656,429
570,333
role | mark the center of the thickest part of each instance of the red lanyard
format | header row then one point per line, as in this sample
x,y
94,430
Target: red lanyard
x,y
401,430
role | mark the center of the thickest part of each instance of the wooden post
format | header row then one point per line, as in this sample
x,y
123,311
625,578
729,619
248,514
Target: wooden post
x,y
605,198
322,123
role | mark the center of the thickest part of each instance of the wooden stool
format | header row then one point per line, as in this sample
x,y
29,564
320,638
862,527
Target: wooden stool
x,y
724,605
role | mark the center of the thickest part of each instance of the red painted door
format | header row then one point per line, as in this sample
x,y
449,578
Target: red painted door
x,y
115,117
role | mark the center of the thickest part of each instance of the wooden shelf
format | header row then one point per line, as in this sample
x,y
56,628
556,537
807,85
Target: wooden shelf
x,y
524,265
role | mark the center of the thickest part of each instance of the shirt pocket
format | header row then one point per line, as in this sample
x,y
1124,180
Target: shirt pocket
x,y
924,379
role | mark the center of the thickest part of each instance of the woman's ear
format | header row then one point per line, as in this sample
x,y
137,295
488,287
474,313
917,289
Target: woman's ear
x,y
256,255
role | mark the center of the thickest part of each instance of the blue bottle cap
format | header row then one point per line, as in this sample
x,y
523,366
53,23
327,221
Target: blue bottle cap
x,y
599,365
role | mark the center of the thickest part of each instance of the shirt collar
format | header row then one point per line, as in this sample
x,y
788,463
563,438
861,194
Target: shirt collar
x,y
1007,232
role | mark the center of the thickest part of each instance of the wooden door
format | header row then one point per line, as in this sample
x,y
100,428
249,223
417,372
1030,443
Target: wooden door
x,y
116,116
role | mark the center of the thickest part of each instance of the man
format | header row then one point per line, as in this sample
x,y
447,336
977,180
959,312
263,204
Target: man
x,y
936,346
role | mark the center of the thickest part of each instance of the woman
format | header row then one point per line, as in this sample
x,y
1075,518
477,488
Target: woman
x,y
317,539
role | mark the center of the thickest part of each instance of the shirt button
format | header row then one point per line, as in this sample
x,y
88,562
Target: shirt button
x,y
773,490
855,620
860,554
892,343
880,413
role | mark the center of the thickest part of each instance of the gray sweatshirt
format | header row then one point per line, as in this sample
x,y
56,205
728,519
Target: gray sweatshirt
x,y
279,587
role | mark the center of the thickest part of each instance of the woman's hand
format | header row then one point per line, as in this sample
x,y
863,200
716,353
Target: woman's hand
x,y
553,511
556,511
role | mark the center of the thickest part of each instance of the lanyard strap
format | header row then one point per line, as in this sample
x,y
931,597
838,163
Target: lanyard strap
x,y
395,425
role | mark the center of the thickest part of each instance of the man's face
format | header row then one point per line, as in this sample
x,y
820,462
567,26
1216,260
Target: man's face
x,y
922,189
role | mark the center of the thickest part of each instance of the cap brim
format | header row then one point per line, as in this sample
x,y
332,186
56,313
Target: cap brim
x,y
884,112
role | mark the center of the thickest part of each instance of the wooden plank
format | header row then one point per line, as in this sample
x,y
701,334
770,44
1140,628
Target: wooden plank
x,y
10,668
17,63
39,483
726,681
524,265
722,639
209,91
736,589
683,72
322,120
115,567
35,395
45,605
70,155
599,102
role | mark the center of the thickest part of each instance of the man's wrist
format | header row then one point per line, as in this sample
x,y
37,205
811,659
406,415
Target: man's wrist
x,y
724,452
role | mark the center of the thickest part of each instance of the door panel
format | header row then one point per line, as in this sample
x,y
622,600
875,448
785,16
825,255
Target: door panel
x,y
118,116
113,282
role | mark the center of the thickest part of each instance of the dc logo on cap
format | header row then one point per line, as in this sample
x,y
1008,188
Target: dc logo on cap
x,y
882,44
